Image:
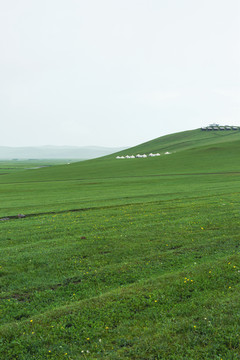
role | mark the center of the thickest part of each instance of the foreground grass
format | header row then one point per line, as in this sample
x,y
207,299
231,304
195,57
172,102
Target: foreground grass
x,y
154,279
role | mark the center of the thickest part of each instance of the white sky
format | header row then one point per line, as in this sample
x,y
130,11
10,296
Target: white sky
x,y
116,72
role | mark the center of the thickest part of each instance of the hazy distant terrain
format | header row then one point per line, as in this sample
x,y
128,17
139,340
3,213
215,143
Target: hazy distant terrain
x,y
55,152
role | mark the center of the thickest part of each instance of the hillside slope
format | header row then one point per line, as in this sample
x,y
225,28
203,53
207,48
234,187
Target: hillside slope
x,y
193,151
183,141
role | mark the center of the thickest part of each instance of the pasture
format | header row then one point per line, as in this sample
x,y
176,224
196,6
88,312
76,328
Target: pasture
x,y
137,259
10,166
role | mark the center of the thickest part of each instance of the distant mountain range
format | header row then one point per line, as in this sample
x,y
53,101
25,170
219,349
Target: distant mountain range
x,y
56,152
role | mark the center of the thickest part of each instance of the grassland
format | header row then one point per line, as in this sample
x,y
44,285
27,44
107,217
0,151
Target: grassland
x,y
125,259
10,166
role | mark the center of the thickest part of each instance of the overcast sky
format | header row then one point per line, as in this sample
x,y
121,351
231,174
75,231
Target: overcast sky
x,y
116,72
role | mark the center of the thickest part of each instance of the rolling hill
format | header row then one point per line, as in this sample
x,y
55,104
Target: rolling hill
x,y
192,151
185,140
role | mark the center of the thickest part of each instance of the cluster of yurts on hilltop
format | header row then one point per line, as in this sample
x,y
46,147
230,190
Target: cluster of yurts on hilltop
x,y
219,127
141,156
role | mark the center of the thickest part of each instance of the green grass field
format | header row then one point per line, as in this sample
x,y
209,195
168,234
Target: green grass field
x,y
10,166
125,259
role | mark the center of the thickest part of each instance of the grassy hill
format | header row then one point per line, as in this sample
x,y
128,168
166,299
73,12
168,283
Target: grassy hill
x,y
191,151
195,152
183,141
125,259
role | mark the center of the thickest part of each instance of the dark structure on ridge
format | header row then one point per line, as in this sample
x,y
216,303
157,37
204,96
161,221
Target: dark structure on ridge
x,y
217,127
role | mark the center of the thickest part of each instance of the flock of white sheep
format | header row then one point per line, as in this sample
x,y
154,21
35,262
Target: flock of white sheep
x,y
140,156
